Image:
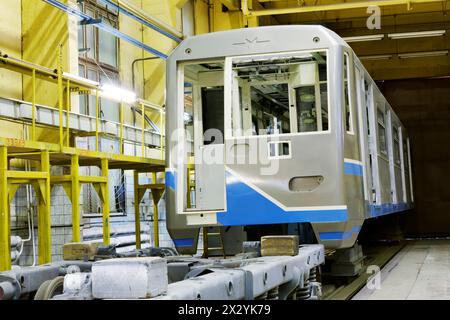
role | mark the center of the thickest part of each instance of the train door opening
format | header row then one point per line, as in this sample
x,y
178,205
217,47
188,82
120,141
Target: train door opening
x,y
204,186
371,113
363,99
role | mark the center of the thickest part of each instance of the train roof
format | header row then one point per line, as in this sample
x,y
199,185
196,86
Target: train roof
x,y
257,40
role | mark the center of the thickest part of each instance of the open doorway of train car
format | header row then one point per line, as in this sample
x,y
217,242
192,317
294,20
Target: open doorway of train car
x,y
204,126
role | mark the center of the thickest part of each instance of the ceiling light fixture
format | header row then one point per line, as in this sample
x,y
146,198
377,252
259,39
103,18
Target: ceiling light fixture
x,y
419,34
372,37
118,94
377,57
423,54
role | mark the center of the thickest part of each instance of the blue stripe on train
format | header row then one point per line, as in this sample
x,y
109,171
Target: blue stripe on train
x,y
170,180
246,206
338,235
353,169
387,208
187,242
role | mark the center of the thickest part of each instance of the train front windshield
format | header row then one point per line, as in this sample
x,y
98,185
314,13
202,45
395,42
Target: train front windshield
x,y
279,94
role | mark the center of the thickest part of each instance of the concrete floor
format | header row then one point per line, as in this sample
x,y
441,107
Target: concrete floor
x,y
420,271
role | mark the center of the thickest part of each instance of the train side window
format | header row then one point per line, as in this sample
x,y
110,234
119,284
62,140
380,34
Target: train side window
x,y
382,137
348,109
396,147
306,109
323,91
405,156
279,94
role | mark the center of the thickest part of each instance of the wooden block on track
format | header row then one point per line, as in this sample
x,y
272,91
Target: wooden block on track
x,y
79,251
279,246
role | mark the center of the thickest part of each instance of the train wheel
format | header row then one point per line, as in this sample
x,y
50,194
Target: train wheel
x,y
50,288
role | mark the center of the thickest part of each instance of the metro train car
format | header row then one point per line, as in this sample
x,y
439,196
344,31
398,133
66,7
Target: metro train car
x,y
279,125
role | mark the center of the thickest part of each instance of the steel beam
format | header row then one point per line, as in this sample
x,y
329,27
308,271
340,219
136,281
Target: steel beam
x,y
328,7
104,187
44,211
147,21
232,5
137,216
75,198
105,27
156,196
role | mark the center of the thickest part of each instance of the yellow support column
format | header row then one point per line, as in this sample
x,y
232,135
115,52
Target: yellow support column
x,y
161,131
121,128
44,211
105,209
68,114
137,217
97,114
143,130
156,195
75,198
5,237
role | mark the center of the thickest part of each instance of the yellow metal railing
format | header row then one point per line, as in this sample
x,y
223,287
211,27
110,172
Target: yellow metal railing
x,y
73,84
10,180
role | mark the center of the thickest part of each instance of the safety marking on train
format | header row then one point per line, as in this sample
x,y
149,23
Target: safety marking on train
x,y
339,235
170,178
353,167
243,199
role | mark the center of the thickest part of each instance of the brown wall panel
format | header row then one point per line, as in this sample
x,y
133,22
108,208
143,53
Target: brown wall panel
x,y
423,105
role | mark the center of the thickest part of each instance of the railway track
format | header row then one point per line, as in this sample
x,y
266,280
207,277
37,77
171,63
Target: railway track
x,y
378,255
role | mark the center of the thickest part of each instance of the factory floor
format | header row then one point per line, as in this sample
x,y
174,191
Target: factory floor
x,y
420,271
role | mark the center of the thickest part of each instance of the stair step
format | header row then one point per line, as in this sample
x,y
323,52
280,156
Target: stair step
x,y
216,248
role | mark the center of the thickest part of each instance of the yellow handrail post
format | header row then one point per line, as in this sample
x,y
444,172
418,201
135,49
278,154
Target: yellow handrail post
x,y
60,96
143,128
33,110
97,112
121,128
67,114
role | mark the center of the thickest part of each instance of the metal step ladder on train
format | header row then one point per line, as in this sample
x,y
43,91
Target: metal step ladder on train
x,y
209,232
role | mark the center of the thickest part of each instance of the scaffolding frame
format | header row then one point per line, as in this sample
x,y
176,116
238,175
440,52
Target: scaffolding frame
x,y
46,154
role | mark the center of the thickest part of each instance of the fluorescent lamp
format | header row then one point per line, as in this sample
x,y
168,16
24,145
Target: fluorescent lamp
x,y
118,94
377,57
419,34
372,37
423,54
80,79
